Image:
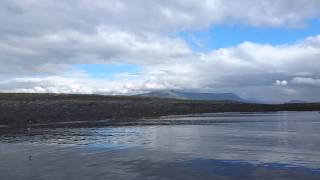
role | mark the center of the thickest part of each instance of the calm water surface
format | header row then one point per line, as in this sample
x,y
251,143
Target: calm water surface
x,y
284,145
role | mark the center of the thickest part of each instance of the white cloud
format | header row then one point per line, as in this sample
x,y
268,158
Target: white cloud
x,y
306,81
46,36
108,45
281,83
153,15
81,85
247,65
44,39
290,92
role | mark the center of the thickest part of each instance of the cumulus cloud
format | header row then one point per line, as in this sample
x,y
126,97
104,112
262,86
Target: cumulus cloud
x,y
83,85
107,45
47,36
41,41
153,15
281,83
257,67
306,81
250,64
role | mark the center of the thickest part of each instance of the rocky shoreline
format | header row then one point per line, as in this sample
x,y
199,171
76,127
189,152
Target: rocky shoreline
x,y
61,110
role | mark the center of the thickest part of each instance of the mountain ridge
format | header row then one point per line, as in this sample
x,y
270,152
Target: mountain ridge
x,y
176,94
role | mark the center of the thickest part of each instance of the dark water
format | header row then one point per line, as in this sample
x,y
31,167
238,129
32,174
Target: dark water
x,y
283,145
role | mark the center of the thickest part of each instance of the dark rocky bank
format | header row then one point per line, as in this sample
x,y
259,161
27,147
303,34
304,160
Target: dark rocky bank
x,y
29,110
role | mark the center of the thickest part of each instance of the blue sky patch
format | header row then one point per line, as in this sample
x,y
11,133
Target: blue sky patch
x,y
108,70
222,36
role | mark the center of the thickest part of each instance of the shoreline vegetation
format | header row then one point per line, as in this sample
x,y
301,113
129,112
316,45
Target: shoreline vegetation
x,y
23,110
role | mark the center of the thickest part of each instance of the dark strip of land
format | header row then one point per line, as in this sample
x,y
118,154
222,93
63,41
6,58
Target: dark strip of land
x,y
29,110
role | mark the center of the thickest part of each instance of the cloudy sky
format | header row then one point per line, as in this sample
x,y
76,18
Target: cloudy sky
x,y
258,49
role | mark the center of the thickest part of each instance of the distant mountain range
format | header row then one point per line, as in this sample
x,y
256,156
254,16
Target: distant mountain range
x,y
296,102
194,95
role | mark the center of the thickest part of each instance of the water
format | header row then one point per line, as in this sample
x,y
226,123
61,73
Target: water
x,y
284,145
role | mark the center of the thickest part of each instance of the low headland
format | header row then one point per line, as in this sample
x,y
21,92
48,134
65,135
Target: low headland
x,y
23,110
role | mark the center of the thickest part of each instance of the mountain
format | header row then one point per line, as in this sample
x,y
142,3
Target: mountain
x,y
296,102
193,95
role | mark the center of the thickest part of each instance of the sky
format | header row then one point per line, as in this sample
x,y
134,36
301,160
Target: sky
x,y
258,49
